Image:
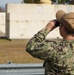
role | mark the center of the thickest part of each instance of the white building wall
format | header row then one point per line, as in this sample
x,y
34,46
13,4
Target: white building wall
x,y
2,24
24,20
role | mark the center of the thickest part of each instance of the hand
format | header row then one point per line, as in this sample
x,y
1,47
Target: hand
x,y
52,24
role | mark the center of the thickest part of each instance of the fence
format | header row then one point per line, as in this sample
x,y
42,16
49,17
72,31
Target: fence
x,y
21,69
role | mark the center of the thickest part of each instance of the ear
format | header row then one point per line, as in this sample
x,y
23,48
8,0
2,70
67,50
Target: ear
x,y
64,30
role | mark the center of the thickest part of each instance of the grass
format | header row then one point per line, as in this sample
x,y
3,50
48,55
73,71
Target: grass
x,y
14,51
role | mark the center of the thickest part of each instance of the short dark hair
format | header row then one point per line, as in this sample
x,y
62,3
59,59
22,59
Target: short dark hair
x,y
69,32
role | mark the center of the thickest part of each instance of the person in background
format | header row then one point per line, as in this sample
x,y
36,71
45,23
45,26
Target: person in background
x,y
58,56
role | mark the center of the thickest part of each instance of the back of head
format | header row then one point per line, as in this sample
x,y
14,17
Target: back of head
x,y
66,19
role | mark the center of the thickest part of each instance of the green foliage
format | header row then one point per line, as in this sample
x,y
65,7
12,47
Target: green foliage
x,y
53,0
36,1
28,1
61,1
31,1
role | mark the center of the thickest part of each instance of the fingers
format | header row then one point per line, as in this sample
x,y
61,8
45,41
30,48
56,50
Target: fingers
x,y
51,25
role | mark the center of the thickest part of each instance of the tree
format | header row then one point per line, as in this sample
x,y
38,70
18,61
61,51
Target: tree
x,y
53,1
71,1
60,1
1,9
31,1
36,1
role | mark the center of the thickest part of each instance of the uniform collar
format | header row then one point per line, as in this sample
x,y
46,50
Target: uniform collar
x,y
70,41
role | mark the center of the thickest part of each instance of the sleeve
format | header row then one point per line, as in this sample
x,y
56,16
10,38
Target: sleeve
x,y
39,47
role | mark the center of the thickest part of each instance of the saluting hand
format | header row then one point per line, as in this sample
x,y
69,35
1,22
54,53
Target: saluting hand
x,y
51,25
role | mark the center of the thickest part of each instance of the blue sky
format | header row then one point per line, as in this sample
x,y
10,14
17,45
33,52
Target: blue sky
x,y
4,2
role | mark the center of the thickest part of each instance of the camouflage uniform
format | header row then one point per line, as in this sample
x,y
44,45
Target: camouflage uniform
x,y
58,55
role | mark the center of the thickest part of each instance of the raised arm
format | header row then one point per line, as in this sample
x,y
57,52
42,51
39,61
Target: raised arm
x,y
38,46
